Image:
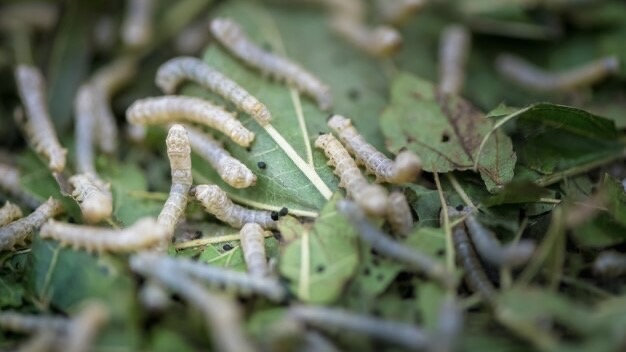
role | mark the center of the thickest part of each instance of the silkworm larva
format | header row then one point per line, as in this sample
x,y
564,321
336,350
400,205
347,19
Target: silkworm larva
x,y
399,214
371,197
527,75
406,167
176,108
85,129
106,82
143,234
172,73
93,196
512,255
221,314
454,47
475,275
354,10
9,213
401,334
137,26
382,243
20,230
85,326
42,341
253,247
231,170
399,11
38,127
10,184
449,326
243,283
381,41
25,323
610,264
233,38
215,201
39,15
179,153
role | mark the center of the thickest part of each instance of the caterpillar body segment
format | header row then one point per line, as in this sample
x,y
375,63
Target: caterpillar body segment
x,y
386,246
253,247
398,12
172,73
10,184
26,323
381,41
371,197
93,196
215,201
175,108
17,232
143,234
399,213
406,167
38,126
137,28
449,326
525,74
85,326
9,213
179,153
610,264
235,40
231,170
85,129
454,49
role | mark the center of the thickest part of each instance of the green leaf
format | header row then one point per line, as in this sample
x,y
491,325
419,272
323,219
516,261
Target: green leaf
x,y
230,254
445,132
319,263
517,192
12,293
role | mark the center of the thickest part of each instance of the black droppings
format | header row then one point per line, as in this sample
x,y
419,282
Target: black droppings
x,y
354,94
283,211
320,269
227,247
261,165
274,215
459,207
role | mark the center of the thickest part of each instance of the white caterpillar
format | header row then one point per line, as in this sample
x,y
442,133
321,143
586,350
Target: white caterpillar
x,y
93,196
26,323
180,108
454,47
223,316
449,328
386,246
371,197
172,73
137,27
610,264
143,234
10,184
85,326
9,213
381,41
20,230
231,170
233,38
405,168
179,153
215,201
399,214
245,284
405,335
253,247
85,129
397,12
527,75
38,126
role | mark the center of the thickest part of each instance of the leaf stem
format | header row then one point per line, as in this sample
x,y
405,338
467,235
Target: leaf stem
x,y
295,98
305,267
461,192
558,176
450,255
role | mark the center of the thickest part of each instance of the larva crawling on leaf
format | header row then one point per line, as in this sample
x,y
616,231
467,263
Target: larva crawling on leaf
x,y
17,232
399,214
10,185
381,41
93,196
9,213
137,27
85,326
253,247
231,170
398,12
223,316
454,47
405,335
371,197
179,153
610,264
382,243
172,73
38,126
475,276
488,247
26,323
85,129
406,167
143,234
233,38
176,108
531,77
449,328
215,201
243,283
